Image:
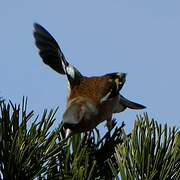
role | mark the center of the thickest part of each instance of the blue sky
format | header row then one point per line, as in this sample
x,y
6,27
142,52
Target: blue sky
x,y
141,38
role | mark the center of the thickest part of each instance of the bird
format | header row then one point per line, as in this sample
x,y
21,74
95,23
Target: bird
x,y
91,100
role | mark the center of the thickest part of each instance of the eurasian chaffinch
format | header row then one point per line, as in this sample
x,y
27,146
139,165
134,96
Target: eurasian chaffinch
x,y
91,100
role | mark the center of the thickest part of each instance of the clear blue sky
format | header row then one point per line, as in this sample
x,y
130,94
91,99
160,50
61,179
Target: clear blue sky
x,y
141,38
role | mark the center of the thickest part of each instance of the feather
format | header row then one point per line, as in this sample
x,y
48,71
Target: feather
x,y
113,86
78,109
130,104
52,55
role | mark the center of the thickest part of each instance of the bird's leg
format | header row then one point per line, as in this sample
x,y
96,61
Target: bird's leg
x,y
111,122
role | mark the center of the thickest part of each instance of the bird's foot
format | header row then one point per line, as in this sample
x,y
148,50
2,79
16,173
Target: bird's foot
x,y
111,124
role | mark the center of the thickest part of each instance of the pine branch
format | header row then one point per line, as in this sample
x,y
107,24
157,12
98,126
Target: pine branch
x,y
151,152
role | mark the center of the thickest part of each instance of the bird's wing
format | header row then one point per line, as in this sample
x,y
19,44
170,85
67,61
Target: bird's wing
x,y
113,85
52,55
130,104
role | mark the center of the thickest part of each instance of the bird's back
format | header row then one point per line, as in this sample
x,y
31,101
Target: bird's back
x,y
93,88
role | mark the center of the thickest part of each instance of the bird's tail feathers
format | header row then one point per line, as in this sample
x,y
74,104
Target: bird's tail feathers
x,y
131,104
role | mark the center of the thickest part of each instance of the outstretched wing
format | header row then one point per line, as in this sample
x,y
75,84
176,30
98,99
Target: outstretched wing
x,y
52,55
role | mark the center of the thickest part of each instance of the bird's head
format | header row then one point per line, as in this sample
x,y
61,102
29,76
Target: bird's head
x,y
120,79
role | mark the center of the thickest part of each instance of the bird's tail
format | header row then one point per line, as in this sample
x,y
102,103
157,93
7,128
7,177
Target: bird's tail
x,y
130,104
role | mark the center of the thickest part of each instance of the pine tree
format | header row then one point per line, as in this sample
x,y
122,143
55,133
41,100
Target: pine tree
x,y
31,149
